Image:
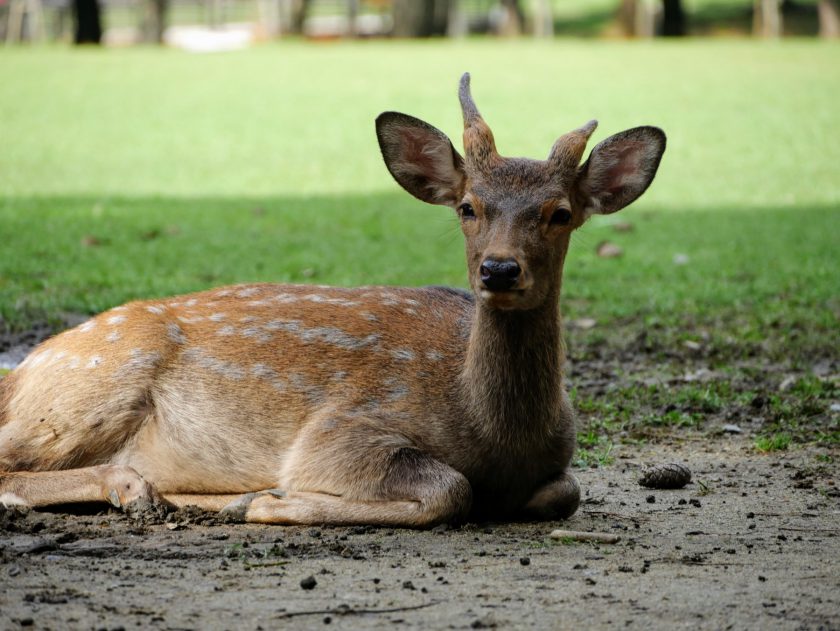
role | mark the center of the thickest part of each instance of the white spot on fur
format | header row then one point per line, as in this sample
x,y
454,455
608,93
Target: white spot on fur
x,y
222,293
433,356
190,319
256,333
117,319
226,330
217,317
156,309
261,371
219,366
285,298
318,298
369,316
410,311
94,362
337,337
120,308
248,318
314,394
257,303
38,358
87,326
175,333
191,302
74,362
247,292
113,336
403,354
397,390
142,360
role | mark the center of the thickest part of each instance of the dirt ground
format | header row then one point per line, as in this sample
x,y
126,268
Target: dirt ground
x,y
752,543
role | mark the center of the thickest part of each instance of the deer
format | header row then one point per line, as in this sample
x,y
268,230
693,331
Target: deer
x,y
374,405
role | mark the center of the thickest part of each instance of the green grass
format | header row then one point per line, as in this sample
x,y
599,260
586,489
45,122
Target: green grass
x,y
775,442
191,171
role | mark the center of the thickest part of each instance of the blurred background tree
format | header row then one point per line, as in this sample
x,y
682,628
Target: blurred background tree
x,y
159,21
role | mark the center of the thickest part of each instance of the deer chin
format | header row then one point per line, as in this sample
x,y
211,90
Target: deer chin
x,y
510,300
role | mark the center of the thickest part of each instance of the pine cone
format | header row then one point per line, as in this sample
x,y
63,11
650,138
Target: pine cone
x,y
666,476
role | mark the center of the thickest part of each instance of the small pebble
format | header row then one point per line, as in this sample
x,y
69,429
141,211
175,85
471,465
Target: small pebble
x,y
308,583
525,561
651,499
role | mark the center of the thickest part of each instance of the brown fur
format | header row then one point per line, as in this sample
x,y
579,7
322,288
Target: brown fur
x,y
380,405
6,390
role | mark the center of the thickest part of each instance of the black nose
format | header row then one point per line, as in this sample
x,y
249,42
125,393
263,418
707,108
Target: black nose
x,y
499,275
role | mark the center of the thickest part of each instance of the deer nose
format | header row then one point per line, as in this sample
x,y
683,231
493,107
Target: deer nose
x,y
499,275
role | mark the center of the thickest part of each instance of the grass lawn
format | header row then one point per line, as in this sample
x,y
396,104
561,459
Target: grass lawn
x,y
143,172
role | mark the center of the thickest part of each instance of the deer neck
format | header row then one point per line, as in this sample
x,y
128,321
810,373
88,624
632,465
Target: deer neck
x,y
512,377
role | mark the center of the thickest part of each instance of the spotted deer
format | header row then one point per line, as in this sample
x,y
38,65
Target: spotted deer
x,y
297,404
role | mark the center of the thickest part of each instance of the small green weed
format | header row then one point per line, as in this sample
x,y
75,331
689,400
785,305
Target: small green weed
x,y
595,455
774,442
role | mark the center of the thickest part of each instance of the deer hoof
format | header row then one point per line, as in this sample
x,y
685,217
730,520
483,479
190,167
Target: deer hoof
x,y
238,508
123,486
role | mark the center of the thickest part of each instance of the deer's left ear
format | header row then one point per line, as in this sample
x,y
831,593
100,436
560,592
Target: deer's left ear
x,y
620,169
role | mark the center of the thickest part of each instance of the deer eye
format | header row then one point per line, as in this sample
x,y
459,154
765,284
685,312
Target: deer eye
x,y
560,217
466,211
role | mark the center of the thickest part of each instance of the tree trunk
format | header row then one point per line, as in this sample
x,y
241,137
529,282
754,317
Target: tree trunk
x,y
154,21
513,22
420,18
88,24
673,19
638,17
829,12
352,14
300,9
543,19
767,18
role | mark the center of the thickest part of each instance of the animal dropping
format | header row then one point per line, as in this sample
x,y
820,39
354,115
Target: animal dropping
x,y
666,476
393,406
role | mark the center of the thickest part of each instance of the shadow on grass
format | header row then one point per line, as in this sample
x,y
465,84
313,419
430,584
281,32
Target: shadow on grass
x,y
86,254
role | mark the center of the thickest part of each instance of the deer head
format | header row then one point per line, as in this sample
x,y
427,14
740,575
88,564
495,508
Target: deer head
x,y
517,214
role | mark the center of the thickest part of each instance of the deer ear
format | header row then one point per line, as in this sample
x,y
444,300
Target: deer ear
x,y
421,158
620,169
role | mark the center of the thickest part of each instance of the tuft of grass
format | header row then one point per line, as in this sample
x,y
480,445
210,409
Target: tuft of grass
x,y
773,442
593,453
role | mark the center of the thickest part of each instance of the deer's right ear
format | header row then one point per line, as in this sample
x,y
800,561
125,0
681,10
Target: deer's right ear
x,y
421,158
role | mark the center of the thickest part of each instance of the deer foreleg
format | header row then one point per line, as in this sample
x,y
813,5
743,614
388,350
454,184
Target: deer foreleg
x,y
119,485
415,491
